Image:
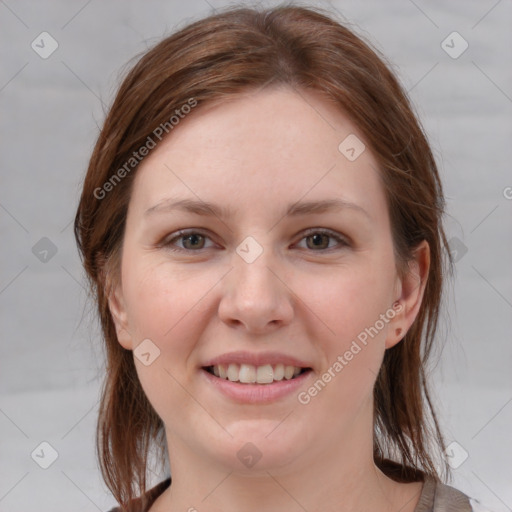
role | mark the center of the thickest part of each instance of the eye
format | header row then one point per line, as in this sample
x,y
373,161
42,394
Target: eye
x,y
190,240
319,240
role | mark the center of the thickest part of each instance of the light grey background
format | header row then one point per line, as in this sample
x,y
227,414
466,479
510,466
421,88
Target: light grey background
x,y
51,360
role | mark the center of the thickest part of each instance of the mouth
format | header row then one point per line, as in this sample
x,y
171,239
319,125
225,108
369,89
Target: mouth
x,y
250,374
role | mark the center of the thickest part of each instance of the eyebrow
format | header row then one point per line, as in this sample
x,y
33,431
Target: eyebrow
x,y
205,208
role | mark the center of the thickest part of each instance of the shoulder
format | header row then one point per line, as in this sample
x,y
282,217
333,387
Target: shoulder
x,y
143,504
439,497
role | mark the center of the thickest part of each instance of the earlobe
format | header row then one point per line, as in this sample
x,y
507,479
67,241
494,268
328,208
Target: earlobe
x,y
410,295
119,315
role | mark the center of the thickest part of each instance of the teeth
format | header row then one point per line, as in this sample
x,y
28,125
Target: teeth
x,y
249,374
233,372
264,374
279,372
288,372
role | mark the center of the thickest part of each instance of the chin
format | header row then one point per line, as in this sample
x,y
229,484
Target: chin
x,y
257,445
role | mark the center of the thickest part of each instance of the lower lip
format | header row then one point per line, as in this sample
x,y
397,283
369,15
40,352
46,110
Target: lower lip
x,y
257,393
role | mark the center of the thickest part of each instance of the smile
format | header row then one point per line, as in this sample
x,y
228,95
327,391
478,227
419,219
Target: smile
x,y
251,374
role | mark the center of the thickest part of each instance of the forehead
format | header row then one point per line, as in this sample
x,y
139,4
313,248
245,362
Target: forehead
x,y
266,147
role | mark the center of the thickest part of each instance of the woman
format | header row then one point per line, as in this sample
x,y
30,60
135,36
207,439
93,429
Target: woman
x,y
261,222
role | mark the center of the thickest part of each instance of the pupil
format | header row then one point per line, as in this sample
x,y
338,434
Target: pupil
x,y
318,239
193,240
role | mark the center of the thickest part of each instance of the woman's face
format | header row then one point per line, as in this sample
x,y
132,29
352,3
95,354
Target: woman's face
x,y
286,259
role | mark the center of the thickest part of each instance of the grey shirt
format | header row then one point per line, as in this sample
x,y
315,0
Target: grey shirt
x,y
437,497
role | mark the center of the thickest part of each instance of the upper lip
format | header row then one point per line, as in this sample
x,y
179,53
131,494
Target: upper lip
x,y
256,359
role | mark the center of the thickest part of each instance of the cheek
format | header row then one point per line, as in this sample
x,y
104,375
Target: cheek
x,y
351,305
351,300
168,309
351,344
167,306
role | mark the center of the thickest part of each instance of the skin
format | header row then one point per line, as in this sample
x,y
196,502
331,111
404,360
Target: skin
x,y
256,154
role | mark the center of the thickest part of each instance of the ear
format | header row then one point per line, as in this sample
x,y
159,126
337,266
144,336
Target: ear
x,y
117,308
409,294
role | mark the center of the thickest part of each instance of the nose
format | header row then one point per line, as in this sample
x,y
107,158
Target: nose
x,y
255,296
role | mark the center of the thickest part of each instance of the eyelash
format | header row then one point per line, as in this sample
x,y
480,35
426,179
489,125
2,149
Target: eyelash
x,y
169,243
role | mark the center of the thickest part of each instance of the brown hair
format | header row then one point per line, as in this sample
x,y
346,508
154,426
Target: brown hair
x,y
218,57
